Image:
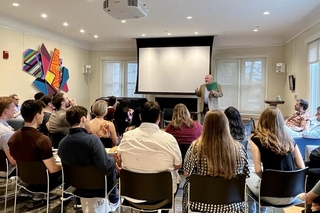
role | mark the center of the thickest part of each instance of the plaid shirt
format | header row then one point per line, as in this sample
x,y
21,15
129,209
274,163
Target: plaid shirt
x,y
190,167
298,119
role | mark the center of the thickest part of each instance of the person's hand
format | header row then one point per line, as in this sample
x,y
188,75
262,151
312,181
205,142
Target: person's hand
x,y
196,90
118,160
72,102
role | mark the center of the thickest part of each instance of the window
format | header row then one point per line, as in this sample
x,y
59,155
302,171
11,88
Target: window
x,y
314,75
119,78
243,83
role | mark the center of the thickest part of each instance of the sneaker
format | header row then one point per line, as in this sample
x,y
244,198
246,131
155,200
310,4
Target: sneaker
x,y
66,197
39,196
24,193
114,206
77,206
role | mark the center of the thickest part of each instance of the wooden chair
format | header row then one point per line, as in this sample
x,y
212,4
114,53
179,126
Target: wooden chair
x,y
84,178
33,172
281,184
155,187
216,190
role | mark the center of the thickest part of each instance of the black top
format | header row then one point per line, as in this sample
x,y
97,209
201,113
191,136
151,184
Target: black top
x,y
42,127
271,160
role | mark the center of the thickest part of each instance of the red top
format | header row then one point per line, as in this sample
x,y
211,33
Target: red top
x,y
110,114
185,134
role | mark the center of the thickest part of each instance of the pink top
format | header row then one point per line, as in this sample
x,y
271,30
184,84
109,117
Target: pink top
x,y
185,134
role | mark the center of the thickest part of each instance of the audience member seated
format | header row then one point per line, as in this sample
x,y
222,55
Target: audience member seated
x,y
123,116
299,121
28,144
183,128
6,131
104,129
215,153
112,104
17,113
272,148
46,99
136,121
236,126
148,149
317,115
80,148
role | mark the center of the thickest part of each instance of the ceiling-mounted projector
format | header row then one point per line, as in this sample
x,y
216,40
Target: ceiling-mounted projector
x,y
125,9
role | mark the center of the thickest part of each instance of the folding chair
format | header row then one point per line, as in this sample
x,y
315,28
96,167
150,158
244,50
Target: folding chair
x,y
84,178
33,172
4,166
281,184
216,190
156,187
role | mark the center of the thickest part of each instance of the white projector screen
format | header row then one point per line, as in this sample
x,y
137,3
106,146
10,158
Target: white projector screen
x,y
172,69
175,65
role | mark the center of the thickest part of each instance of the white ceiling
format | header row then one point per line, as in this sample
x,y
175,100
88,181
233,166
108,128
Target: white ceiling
x,y
232,21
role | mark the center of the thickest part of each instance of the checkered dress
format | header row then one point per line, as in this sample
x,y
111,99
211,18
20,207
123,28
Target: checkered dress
x,y
190,166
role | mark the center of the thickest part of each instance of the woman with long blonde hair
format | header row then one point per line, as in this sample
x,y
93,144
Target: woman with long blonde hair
x,y
274,148
217,154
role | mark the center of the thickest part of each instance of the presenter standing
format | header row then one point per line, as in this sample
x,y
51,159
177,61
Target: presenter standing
x,y
208,99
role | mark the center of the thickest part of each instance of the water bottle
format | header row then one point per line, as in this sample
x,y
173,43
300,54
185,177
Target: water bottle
x,y
278,98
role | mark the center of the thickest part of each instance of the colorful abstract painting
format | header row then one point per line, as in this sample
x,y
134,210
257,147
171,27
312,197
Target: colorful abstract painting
x,y
51,76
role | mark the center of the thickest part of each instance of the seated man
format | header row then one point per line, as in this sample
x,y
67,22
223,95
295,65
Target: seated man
x,y
82,149
46,99
300,120
28,144
6,113
17,113
147,149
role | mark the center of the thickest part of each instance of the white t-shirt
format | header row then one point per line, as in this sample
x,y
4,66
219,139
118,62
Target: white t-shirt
x,y
147,149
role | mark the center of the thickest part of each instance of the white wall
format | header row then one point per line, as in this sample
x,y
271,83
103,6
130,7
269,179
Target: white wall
x,y
14,80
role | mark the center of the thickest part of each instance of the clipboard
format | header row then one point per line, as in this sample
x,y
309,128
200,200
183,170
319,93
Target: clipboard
x,y
212,86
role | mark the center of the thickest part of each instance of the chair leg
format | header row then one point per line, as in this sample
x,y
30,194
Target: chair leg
x,y
6,194
15,197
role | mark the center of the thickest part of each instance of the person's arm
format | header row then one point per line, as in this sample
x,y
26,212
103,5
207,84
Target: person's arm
x,y
256,159
51,165
105,162
113,134
197,91
298,158
9,157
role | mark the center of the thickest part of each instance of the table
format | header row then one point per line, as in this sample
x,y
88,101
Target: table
x,y
273,103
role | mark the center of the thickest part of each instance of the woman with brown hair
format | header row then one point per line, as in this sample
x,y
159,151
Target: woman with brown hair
x,y
104,129
272,146
217,154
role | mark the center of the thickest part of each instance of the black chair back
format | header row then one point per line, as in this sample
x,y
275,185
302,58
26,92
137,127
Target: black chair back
x,y
16,123
83,177
285,183
3,164
56,138
143,186
217,190
32,172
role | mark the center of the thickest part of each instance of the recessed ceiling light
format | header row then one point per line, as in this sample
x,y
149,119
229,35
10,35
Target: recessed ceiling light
x,y
95,36
255,30
65,24
44,15
266,13
196,33
143,34
168,33
123,21
82,31
15,4
189,17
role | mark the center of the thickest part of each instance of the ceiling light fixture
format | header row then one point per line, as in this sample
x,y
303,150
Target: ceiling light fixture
x,y
189,17
15,4
168,34
143,35
65,24
266,13
196,33
95,36
82,31
255,30
123,21
44,15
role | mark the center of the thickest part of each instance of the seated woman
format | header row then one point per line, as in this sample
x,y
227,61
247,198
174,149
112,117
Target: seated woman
x,y
123,116
215,153
111,108
183,128
105,130
273,147
237,128
136,121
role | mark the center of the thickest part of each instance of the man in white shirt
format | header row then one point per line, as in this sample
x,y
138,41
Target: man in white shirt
x,y
147,149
